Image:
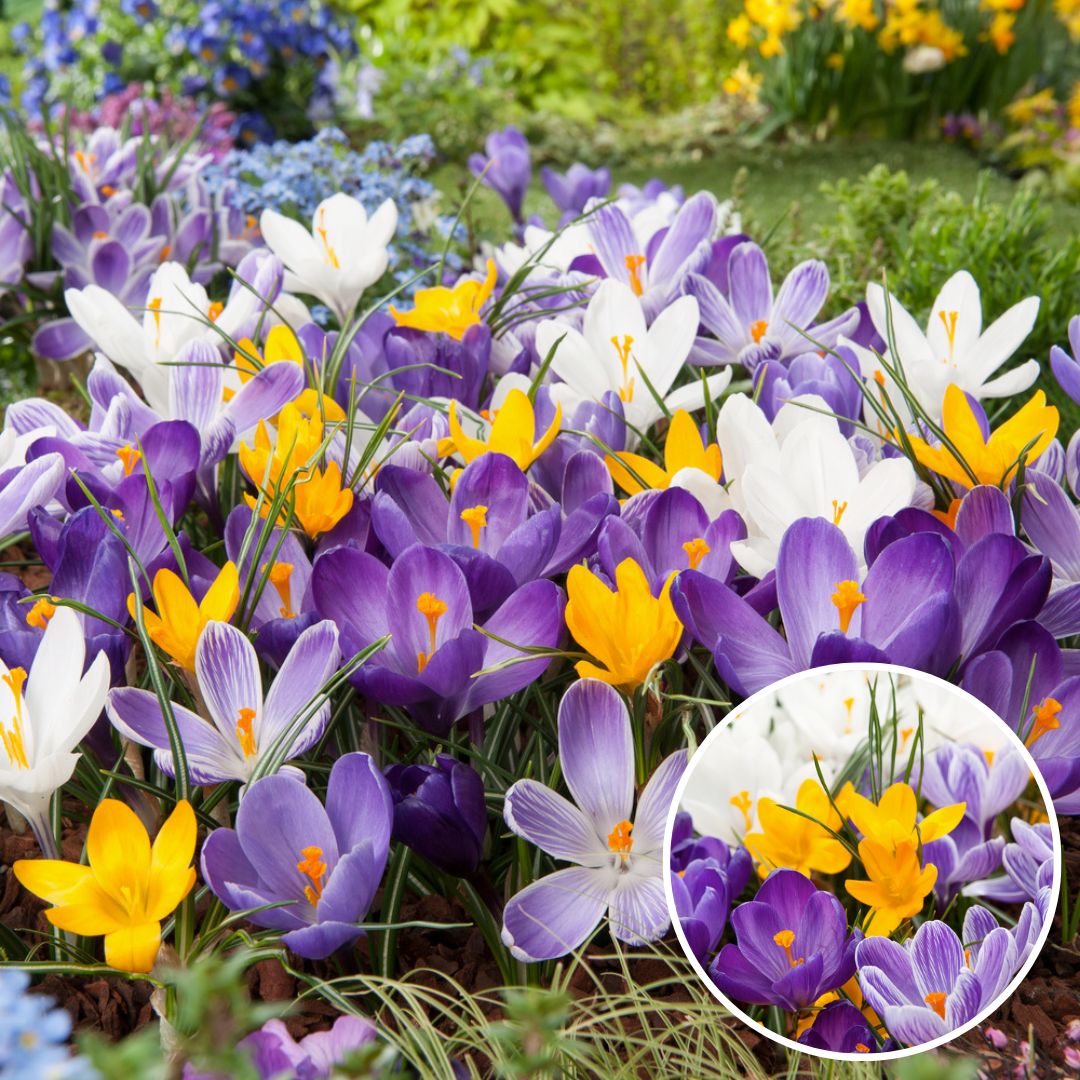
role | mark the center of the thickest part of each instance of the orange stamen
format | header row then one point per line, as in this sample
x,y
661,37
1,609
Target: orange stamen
x,y
476,518
633,267
39,615
847,598
130,457
433,609
758,330
1044,719
244,732
696,550
311,865
620,841
626,391
785,939
936,1001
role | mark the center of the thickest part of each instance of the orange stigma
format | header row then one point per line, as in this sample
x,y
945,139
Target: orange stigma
x,y
279,576
39,615
328,252
742,802
433,609
633,268
311,865
154,305
130,457
1044,719
758,330
626,391
244,732
847,598
948,320
936,1001
216,308
476,518
696,550
785,939
619,840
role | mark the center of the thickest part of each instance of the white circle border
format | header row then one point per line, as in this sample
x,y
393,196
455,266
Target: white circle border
x,y
889,1055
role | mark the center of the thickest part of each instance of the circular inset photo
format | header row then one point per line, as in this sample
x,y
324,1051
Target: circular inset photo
x,y
864,861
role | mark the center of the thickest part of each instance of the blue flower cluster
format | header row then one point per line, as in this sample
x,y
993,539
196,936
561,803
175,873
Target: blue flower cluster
x,y
293,178
34,1034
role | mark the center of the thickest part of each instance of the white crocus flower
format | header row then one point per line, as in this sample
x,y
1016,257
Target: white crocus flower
x,y
344,254
176,312
615,351
44,717
954,349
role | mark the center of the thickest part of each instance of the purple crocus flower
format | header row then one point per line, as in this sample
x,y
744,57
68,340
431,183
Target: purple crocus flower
x,y
841,1028
792,945
275,1053
16,240
829,377
23,487
18,639
900,612
432,663
287,847
928,987
1028,862
245,729
506,168
750,326
618,871
425,365
439,812
1066,367
570,191
1052,525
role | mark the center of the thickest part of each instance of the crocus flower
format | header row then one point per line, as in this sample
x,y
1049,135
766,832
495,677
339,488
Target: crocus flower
x,y
795,841
892,821
506,169
512,432
436,664
954,349
702,902
22,487
931,986
792,945
1066,368
328,861
129,887
180,618
275,1053
344,253
571,191
983,459
244,728
439,812
684,451
897,887
751,327
841,1028
1028,862
448,311
615,351
47,714
618,869
626,628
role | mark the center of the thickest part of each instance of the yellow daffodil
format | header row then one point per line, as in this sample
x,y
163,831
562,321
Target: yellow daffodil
x,y
893,820
629,630
513,428
449,311
790,840
897,888
319,501
180,620
129,886
684,448
995,460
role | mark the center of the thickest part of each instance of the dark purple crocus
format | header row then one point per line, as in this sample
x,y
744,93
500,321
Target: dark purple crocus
x,y
901,611
426,365
18,639
431,666
570,191
1066,367
506,167
842,1029
439,812
792,945
326,861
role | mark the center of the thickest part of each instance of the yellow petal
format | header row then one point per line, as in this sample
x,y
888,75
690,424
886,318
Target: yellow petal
x,y
118,848
283,344
515,422
941,822
898,805
587,670
683,447
51,879
133,948
221,598
90,919
650,473
549,436
171,873
467,447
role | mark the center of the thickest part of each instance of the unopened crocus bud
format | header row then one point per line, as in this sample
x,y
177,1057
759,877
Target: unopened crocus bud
x,y
439,812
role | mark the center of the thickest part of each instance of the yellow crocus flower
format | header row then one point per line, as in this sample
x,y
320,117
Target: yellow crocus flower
x,y
684,448
180,620
897,888
994,461
129,886
892,821
790,840
449,311
513,428
628,630
281,346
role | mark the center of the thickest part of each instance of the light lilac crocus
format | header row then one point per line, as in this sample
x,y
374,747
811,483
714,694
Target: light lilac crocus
x,y
1066,367
244,727
571,191
326,862
505,167
750,325
1028,862
618,871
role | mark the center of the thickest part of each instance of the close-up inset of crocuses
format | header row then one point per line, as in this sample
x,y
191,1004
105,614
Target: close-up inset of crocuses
x,y
370,575
862,860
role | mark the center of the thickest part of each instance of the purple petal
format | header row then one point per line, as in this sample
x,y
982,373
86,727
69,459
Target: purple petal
x,y
410,507
554,915
555,825
751,290
418,572
655,802
359,805
311,661
228,673
639,911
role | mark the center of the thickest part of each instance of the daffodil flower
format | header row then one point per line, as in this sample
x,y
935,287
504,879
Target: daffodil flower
x,y
129,886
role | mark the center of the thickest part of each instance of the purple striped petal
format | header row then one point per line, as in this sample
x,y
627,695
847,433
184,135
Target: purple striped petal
x,y
751,289
639,911
228,673
418,572
555,825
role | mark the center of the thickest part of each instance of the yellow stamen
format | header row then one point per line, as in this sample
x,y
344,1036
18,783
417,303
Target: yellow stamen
x,y
39,615
936,1001
620,841
245,734
331,255
626,391
742,802
433,609
476,518
311,865
100,234
785,939
696,550
758,330
847,598
633,266
1044,719
948,320
13,739
130,457
119,515
279,576
216,308
879,376
838,509
849,704
862,1048
154,304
